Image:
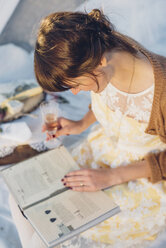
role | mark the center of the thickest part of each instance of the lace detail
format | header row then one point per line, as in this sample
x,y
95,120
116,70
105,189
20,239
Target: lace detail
x,y
6,150
39,146
81,242
137,106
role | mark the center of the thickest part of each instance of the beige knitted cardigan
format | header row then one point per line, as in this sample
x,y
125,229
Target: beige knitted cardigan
x,y
157,122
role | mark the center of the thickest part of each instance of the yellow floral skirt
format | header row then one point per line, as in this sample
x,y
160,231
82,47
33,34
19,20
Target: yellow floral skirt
x,y
143,205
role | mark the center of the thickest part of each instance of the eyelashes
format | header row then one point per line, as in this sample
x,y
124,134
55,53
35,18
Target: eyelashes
x,y
48,212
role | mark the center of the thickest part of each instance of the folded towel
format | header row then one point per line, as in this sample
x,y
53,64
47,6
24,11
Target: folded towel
x,y
17,131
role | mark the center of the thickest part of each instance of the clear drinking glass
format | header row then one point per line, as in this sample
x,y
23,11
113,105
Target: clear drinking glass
x,y
50,113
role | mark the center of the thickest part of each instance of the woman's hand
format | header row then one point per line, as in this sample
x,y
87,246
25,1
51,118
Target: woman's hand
x,y
97,179
65,127
91,179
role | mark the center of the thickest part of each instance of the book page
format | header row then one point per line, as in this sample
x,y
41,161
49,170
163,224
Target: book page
x,y
38,177
64,213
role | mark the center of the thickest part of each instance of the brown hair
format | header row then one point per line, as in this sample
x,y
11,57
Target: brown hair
x,y
71,44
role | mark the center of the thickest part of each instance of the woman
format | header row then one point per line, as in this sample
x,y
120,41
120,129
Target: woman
x,y
80,51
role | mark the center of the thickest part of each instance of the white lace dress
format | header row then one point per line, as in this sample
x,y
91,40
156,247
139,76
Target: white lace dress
x,y
118,139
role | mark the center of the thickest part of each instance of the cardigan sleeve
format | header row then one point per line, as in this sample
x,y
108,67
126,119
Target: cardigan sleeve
x,y
157,164
157,161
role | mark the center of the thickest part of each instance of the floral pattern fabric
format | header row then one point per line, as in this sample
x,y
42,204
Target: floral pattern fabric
x,y
119,139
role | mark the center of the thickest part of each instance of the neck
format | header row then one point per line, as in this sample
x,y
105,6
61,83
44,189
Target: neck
x,y
120,69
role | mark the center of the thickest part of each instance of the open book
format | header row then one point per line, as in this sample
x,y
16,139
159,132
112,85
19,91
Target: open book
x,y
56,213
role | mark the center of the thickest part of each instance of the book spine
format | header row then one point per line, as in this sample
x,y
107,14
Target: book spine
x,y
22,212
46,198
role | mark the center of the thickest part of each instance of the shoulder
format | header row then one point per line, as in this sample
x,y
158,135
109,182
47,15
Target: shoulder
x,y
140,46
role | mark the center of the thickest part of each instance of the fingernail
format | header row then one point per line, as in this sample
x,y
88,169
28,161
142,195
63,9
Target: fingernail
x,y
65,176
70,188
64,184
53,135
62,180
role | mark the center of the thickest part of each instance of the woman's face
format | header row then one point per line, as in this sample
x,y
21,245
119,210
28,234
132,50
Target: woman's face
x,y
87,83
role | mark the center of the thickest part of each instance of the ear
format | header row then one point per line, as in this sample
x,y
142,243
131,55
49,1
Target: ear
x,y
103,61
75,91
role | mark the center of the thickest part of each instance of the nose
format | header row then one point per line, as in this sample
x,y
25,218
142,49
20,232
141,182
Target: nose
x,y
75,91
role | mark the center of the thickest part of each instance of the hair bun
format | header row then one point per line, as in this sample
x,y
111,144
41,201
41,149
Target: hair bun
x,y
96,14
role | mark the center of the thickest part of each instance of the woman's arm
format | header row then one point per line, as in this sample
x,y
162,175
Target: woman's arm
x,y
133,171
88,119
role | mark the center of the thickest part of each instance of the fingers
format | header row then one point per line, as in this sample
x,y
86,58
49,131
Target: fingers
x,y
65,127
44,127
56,135
62,131
74,178
82,183
50,136
84,189
74,181
76,186
82,172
